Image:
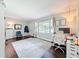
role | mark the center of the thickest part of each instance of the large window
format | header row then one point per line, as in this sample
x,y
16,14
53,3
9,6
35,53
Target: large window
x,y
42,27
36,27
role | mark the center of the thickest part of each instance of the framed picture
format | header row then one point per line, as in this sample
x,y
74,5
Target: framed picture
x,y
17,26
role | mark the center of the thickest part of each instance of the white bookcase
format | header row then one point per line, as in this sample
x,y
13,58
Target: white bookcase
x,y
9,33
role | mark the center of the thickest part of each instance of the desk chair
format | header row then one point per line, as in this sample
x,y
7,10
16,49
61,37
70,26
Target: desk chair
x,y
19,35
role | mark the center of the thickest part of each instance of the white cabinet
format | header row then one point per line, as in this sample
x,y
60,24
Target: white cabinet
x,y
72,50
78,52
9,33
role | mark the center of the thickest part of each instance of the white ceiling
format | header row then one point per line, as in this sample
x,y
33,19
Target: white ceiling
x,y
33,9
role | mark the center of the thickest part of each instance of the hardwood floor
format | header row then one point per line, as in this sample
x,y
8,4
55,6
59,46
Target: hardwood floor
x,y
12,53
9,52
9,41
49,54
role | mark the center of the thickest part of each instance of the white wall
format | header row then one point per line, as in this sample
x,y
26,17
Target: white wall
x,y
77,26
70,22
13,21
2,32
31,26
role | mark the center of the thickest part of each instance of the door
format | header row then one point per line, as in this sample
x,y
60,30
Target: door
x,y
2,33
